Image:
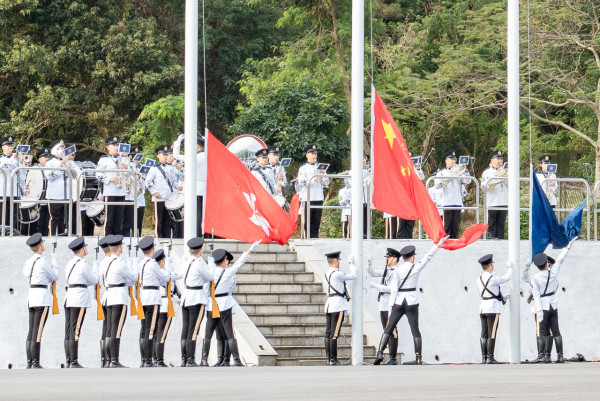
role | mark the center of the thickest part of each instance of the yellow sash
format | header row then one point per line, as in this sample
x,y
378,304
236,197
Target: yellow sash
x,y
99,311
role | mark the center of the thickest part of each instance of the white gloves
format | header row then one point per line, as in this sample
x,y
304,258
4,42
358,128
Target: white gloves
x,y
351,259
372,284
528,264
180,138
211,260
571,242
253,246
443,240
540,316
370,260
508,264
54,262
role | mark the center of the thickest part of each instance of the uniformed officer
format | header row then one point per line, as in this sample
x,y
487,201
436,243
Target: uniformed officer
x,y
404,298
491,305
130,195
453,196
151,277
496,195
200,176
263,173
114,188
8,164
306,171
336,306
345,199
104,351
392,257
79,276
544,286
406,227
164,320
222,302
545,178
118,277
43,155
57,188
278,170
25,159
366,180
196,276
41,274
162,182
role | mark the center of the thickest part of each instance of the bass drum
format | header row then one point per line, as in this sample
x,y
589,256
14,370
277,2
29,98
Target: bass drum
x,y
36,185
28,212
174,205
95,212
89,185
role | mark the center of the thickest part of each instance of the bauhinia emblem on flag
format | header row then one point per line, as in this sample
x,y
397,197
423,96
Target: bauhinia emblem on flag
x,y
397,189
237,206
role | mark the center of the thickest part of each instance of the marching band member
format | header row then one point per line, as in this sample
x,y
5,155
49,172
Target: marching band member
x,y
8,163
543,177
79,276
57,188
344,199
263,173
114,187
366,178
436,194
43,155
306,171
130,195
164,320
75,173
406,227
41,274
496,195
178,169
25,160
452,194
279,175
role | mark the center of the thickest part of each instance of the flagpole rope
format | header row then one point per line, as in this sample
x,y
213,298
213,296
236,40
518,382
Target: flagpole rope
x,y
204,67
371,44
531,168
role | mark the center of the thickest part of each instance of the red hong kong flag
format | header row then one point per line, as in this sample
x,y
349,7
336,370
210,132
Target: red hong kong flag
x,y
237,206
397,189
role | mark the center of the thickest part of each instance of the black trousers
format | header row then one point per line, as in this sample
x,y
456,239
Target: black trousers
x,y
333,324
163,326
452,221
149,324
346,228
489,324
37,320
105,322
73,323
411,312
315,219
383,315
163,223
497,223
116,315
57,218
550,322
192,318
127,226
391,227
405,228
44,221
114,216
7,212
87,225
224,324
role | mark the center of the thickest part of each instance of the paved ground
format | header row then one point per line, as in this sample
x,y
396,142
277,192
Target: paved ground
x,y
510,382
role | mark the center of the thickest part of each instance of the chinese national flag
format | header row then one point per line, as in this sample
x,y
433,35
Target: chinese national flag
x,y
237,206
397,189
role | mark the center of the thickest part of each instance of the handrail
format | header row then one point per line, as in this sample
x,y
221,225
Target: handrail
x,y
456,177
4,203
595,198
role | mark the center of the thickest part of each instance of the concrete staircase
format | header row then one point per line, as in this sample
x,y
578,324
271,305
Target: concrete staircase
x,y
286,303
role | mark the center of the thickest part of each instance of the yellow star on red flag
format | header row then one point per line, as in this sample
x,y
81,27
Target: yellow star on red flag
x,y
389,133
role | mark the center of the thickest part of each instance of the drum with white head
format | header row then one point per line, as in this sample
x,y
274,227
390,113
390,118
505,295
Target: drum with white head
x,y
174,205
95,212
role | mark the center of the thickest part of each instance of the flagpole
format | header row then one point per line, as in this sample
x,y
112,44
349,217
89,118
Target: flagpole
x,y
356,125
190,116
513,177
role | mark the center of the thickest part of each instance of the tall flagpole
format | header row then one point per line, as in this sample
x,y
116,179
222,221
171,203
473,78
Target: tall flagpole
x,y
191,116
356,125
513,177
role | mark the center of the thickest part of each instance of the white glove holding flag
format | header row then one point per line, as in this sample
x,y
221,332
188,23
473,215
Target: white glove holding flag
x,y
370,260
442,241
253,246
351,259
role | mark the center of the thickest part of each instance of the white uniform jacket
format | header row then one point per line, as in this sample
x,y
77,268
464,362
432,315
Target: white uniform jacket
x,y
497,196
57,181
334,283
278,170
436,195
196,273
549,187
264,175
81,274
387,275
162,178
200,167
164,306
151,275
8,164
489,304
410,272
345,199
544,285
226,283
109,188
119,273
306,171
453,191
40,272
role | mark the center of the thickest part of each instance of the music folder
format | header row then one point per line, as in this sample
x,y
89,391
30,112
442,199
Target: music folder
x,y
286,162
124,148
70,150
463,160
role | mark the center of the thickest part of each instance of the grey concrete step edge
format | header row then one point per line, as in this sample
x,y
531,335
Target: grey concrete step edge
x,y
254,347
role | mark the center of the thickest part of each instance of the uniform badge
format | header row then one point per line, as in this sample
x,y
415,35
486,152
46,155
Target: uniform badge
x,y
547,158
314,146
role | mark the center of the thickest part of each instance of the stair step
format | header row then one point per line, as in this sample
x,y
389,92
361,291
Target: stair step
x,y
287,318
295,351
281,297
301,329
275,278
244,288
239,247
278,308
275,267
305,340
318,361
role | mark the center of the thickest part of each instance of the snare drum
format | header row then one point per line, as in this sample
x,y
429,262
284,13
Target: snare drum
x,y
174,205
36,184
95,212
28,212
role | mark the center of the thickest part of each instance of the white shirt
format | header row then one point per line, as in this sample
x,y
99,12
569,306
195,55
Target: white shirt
x,y
109,188
196,273
539,281
384,288
401,272
164,306
102,270
491,305
8,164
78,271
549,187
119,272
40,272
497,196
344,199
453,191
335,280
264,175
166,185
151,275
200,167
306,171
57,181
227,280
436,195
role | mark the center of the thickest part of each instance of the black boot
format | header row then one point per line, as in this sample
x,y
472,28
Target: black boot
x,y
67,356
142,354
226,355
35,355
220,352
333,350
235,353
483,343
28,352
107,353
190,350
540,349
393,351
183,353
418,350
491,344
547,342
205,352
148,352
159,352
74,354
385,338
102,355
327,342
559,349
114,344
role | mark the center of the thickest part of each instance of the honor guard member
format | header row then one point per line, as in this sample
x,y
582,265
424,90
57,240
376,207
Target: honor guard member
x,y
118,277
79,276
406,227
8,164
164,320
222,302
43,155
152,277
114,188
131,194
404,299
104,352
200,176
392,257
162,182
41,274
196,277
544,286
452,193
306,171
336,306
496,194
490,306
263,173
544,177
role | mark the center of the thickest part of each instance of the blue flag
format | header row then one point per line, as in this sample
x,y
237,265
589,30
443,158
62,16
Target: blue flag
x,y
544,225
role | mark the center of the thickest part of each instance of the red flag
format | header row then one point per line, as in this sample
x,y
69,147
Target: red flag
x,y
237,206
397,189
